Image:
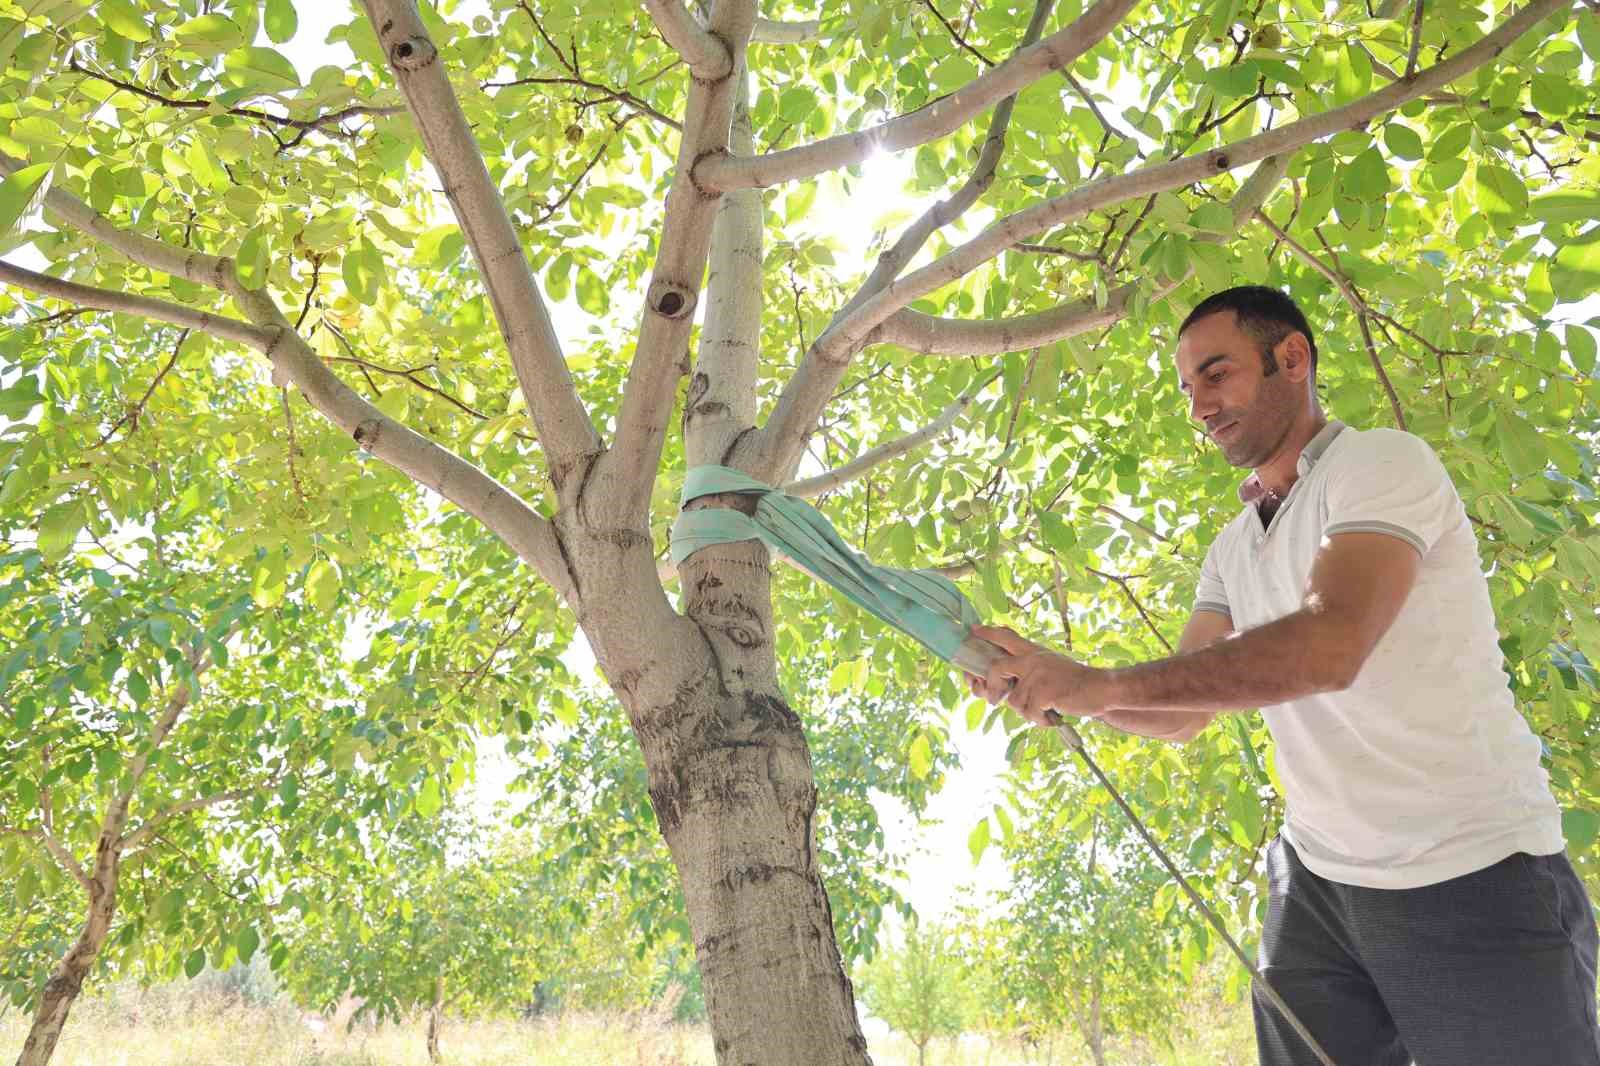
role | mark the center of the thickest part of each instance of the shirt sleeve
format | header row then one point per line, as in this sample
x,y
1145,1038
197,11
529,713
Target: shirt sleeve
x,y
1392,482
1210,594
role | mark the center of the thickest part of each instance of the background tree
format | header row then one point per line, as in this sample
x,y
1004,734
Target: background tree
x,y
920,987
1083,941
453,927
1424,183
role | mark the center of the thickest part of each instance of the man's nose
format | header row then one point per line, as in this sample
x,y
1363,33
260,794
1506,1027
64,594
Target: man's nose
x,y
1201,405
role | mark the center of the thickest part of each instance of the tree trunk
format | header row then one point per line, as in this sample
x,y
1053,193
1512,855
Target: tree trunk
x,y
1097,1029
66,981
922,1053
731,783
435,1018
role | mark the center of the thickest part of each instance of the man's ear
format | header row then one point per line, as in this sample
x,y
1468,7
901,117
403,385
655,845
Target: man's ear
x,y
1294,356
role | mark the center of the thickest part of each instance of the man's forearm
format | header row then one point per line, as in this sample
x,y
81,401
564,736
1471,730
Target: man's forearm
x,y
1298,655
1157,725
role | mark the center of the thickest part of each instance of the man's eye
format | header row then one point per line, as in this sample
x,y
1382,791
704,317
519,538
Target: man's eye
x,y
1216,379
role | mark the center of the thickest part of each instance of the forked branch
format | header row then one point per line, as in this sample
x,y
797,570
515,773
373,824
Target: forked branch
x,y
707,54
565,432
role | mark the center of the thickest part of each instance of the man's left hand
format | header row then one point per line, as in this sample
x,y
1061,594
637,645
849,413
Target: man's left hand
x,y
1034,680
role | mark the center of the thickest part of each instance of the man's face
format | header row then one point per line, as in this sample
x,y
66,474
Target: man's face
x,y
1245,409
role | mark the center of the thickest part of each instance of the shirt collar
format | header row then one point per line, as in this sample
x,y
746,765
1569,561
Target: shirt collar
x,y
1252,489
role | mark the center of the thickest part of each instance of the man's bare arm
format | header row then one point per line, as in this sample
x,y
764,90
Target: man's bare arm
x,y
1358,584
1203,628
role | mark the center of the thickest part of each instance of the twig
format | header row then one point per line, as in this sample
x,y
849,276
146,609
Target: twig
x,y
956,35
303,125
289,453
1416,41
133,413
621,96
1122,583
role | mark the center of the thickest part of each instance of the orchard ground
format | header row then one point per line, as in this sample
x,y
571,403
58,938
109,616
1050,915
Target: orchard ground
x,y
179,1025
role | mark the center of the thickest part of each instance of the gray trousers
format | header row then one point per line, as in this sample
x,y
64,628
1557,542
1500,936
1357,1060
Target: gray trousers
x,y
1494,968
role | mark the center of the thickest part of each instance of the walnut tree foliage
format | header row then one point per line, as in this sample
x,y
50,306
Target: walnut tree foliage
x,y
1442,240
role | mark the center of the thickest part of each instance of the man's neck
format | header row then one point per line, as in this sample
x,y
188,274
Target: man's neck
x,y
1278,474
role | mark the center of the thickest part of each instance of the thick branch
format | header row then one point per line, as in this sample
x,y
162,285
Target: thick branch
x,y
883,453
624,476
708,54
425,462
934,120
771,31
931,335
941,214
1160,177
565,432
721,404
86,296
214,271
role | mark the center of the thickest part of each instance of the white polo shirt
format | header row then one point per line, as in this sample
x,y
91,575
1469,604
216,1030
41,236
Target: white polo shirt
x,y
1423,769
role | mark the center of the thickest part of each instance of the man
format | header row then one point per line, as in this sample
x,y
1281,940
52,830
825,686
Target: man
x,y
1421,903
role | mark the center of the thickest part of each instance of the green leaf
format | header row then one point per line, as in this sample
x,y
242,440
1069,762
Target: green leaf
x,y
27,792
251,262
1403,141
1366,177
364,272
138,687
289,794
1501,194
17,192
208,35
796,104
160,632
1589,33
439,247
261,69
1581,348
124,19
920,756
280,20
58,528
21,398
1575,206
322,584
194,963
592,296
1580,828
429,799
246,943
978,840
1520,445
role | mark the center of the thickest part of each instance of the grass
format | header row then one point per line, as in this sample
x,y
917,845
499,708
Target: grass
x,y
170,1026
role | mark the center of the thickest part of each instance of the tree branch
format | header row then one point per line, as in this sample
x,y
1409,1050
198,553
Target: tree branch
x,y
136,837
304,125
563,426
421,459
216,272
771,31
1416,40
708,54
85,296
721,404
1357,304
58,851
934,120
622,96
625,476
132,414
809,391
841,341
875,457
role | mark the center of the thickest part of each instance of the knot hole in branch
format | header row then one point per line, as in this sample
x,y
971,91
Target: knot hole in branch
x,y
670,300
413,53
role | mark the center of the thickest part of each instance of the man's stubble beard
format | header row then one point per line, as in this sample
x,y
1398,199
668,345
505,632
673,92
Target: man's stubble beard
x,y
1266,423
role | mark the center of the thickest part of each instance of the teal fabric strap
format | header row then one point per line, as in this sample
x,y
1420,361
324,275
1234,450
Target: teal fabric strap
x,y
919,603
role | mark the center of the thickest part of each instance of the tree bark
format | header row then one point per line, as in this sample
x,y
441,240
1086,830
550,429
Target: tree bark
x,y
66,980
731,783
435,1018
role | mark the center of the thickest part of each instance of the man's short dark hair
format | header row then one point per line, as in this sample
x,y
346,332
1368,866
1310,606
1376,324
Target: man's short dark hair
x,y
1265,314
